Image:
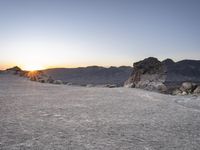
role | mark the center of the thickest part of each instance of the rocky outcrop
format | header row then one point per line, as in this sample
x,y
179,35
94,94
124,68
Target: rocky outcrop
x,y
14,70
167,76
38,76
148,74
57,82
187,88
111,85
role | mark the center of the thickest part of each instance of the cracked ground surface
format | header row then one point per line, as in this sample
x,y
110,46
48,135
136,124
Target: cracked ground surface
x,y
58,117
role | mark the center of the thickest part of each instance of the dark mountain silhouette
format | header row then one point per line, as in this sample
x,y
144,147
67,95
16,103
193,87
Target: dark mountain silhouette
x,y
185,70
168,62
16,68
91,75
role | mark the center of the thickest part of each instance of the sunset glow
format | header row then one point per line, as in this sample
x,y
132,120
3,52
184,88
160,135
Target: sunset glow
x,y
104,33
32,67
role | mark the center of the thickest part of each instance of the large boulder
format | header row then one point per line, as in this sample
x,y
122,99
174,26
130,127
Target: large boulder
x,y
57,82
177,92
111,85
148,74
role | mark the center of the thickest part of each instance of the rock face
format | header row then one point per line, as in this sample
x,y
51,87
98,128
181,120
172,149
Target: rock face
x,y
148,74
187,88
167,76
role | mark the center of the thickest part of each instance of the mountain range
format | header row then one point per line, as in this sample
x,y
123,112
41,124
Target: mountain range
x,y
185,70
91,75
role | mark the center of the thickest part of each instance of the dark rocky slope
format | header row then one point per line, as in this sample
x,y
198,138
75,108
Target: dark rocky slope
x,y
91,75
185,70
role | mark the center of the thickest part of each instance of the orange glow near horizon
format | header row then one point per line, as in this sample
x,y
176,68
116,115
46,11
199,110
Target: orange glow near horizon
x,y
32,67
39,66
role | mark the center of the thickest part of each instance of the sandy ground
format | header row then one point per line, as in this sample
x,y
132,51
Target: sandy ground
x,y
58,117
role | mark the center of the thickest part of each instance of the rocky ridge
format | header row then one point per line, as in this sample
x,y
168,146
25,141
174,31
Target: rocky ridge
x,y
43,77
38,76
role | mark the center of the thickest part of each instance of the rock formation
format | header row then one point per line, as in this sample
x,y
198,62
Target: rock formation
x,y
148,74
57,82
167,76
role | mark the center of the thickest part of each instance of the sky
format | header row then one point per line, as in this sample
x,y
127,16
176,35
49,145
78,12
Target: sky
x,y
37,34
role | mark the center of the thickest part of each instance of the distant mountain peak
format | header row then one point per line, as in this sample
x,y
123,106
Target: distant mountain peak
x,y
16,68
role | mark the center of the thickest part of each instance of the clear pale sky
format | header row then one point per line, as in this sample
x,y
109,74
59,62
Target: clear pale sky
x,y
38,34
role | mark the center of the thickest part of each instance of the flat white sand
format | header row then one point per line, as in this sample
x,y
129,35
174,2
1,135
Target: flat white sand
x,y
58,117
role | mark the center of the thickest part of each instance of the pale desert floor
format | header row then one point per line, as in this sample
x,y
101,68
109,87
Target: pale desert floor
x,y
58,117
